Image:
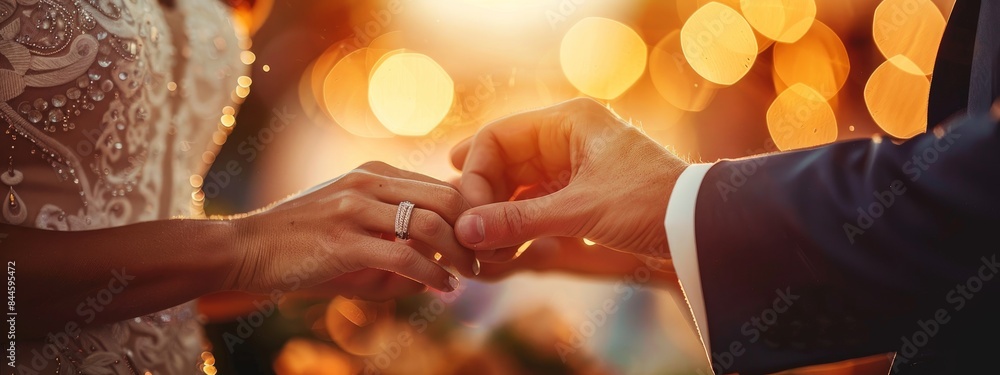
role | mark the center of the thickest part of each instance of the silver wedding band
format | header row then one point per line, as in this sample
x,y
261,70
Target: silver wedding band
x,y
403,219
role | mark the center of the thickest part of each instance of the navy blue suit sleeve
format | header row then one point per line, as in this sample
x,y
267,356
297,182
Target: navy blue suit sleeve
x,y
852,249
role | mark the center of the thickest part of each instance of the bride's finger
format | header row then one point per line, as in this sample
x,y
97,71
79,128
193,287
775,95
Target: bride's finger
x,y
407,262
387,170
426,227
443,200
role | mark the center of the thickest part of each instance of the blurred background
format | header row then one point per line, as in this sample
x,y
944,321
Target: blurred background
x,y
335,83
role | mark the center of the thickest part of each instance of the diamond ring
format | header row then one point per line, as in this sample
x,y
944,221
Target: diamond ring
x,y
403,219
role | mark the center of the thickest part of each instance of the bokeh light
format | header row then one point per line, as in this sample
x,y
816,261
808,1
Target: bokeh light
x,y
509,91
781,20
309,100
719,43
524,247
818,60
685,8
389,41
912,28
800,118
345,95
301,356
315,75
252,18
502,4
358,327
410,93
248,57
674,79
897,98
602,57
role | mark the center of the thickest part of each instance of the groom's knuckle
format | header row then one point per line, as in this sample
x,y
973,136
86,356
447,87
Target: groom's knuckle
x,y
511,218
585,104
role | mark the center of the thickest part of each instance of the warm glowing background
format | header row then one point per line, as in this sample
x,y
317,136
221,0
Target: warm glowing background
x,y
338,83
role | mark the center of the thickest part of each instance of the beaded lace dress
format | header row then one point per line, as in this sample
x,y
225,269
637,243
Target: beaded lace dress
x,y
109,109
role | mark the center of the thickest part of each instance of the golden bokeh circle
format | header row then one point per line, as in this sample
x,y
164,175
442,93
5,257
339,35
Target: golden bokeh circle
x,y
321,68
345,96
389,41
685,8
897,97
818,60
675,80
410,93
800,117
379,56
912,28
602,57
781,20
719,44
308,99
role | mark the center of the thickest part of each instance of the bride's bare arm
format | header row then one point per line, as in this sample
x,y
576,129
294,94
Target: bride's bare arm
x,y
107,275
113,274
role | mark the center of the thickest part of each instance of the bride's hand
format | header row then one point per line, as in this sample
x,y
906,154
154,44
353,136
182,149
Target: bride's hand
x,y
585,172
348,225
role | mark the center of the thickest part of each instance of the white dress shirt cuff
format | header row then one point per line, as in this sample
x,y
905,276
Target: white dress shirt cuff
x,y
681,239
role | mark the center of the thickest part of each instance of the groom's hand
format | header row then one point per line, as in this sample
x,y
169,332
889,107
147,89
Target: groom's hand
x,y
571,170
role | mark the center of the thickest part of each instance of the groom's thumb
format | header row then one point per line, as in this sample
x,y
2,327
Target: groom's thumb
x,y
506,224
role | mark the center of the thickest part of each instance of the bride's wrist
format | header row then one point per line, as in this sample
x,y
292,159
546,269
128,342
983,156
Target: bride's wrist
x,y
244,240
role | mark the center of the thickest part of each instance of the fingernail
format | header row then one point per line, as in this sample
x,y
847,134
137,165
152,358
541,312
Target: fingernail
x,y
470,230
475,267
453,282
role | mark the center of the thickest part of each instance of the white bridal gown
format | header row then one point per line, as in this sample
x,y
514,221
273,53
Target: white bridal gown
x,y
109,107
